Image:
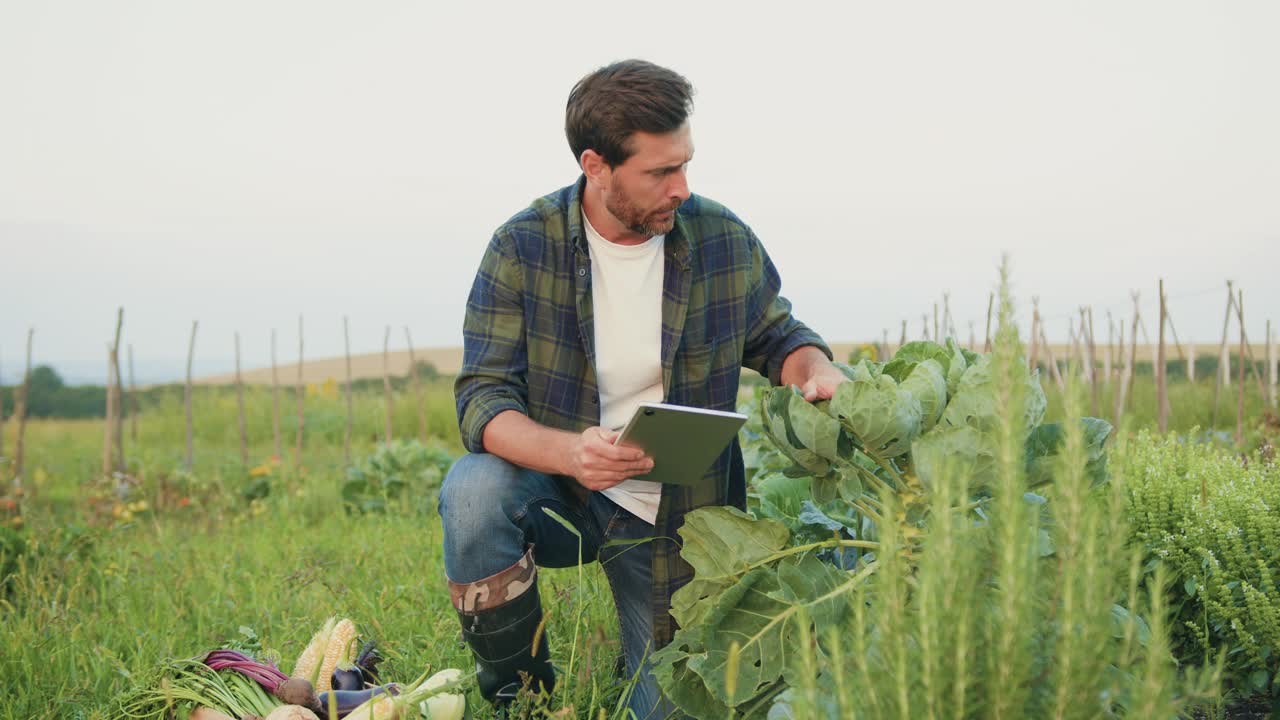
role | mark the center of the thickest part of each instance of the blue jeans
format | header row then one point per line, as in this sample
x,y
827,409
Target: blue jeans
x,y
492,511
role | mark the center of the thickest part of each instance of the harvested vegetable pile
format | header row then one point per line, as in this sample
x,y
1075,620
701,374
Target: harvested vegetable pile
x,y
330,680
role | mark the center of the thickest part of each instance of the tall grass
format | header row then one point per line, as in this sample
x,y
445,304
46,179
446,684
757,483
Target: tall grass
x,y
100,599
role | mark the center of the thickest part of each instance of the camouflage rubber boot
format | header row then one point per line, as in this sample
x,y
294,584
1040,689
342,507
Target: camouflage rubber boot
x,y
500,615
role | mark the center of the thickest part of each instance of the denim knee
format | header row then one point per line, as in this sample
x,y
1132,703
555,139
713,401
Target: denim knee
x,y
476,504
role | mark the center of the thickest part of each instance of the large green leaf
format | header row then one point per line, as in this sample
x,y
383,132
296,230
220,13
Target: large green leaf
x,y
976,401
963,451
781,497
816,430
928,384
956,368
775,410
761,616
1044,447
722,542
691,603
882,417
680,684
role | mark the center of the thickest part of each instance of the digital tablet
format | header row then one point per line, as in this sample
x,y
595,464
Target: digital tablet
x,y
683,441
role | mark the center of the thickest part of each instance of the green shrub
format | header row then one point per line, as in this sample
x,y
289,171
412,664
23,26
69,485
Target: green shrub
x,y
1214,519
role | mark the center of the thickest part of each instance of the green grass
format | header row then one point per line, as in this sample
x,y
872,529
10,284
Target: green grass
x,y
101,599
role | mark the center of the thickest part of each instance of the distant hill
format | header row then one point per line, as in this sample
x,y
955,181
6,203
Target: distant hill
x,y
449,360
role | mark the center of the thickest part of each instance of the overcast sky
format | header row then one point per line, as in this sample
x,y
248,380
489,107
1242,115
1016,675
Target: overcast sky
x,y
241,162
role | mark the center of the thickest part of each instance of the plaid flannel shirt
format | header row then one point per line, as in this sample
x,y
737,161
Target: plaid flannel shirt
x,y
529,342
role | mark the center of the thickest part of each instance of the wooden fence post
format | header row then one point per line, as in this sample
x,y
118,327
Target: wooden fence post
x,y
1093,365
346,435
417,386
1271,367
1240,405
108,417
300,395
1133,352
1121,373
1162,386
937,334
1053,361
903,340
1224,359
133,401
1,414
986,343
924,325
244,434
1033,353
118,418
191,351
275,398
1108,360
386,381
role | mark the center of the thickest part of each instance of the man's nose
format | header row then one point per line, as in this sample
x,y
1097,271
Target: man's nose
x,y
679,187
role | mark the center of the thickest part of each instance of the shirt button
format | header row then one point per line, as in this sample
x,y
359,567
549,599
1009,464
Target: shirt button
x,y
582,272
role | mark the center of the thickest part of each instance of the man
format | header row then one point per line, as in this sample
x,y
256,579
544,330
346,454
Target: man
x,y
621,288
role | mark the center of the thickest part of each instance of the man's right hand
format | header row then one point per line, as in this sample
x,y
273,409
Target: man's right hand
x,y
597,464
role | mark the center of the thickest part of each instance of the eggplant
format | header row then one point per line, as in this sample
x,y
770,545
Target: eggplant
x,y
347,679
348,700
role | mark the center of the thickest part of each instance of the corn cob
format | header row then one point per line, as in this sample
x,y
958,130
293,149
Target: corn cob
x,y
308,665
378,707
341,648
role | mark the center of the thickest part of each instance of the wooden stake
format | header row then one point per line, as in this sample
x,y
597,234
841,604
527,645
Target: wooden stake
x,y
300,395
417,386
973,338
1248,349
386,381
1108,360
986,344
108,416
1240,404
1034,353
1162,369
924,323
275,397
346,435
1271,366
1224,360
186,398
1053,362
1122,374
118,388
1,414
133,401
20,410
884,352
937,335
1133,352
244,434
948,322
1191,362
1093,364
903,340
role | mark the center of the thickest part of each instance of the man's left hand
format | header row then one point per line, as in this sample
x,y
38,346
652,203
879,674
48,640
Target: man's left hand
x,y
808,368
821,385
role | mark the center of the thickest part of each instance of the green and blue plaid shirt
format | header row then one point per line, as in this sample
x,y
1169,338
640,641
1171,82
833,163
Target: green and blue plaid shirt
x,y
528,342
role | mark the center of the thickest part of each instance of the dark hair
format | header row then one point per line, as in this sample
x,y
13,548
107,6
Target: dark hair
x,y
610,104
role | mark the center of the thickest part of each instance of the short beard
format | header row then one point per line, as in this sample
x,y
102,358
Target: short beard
x,y
635,219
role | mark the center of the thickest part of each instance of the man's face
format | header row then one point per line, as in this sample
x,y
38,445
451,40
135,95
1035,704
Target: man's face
x,y
644,192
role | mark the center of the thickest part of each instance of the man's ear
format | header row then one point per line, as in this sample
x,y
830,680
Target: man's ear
x,y
595,168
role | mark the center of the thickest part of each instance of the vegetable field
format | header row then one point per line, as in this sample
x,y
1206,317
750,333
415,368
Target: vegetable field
x,y
950,536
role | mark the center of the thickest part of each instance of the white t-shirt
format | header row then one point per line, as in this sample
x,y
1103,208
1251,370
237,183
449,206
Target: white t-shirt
x,y
626,296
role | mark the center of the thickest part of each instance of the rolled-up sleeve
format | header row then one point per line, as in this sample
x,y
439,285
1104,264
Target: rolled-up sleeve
x,y
494,375
773,332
